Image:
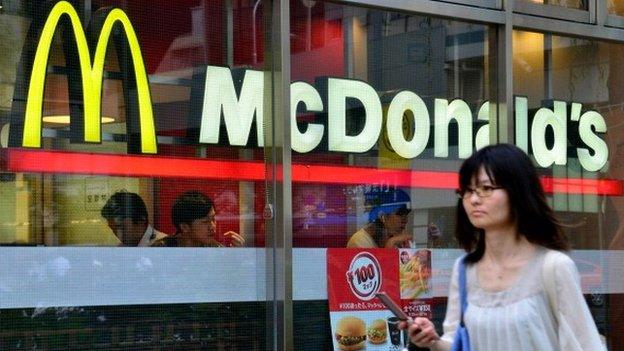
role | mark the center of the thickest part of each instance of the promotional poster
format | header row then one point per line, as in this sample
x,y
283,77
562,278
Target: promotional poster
x,y
415,282
359,320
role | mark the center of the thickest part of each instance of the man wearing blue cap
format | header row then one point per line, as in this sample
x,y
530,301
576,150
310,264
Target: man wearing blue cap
x,y
387,220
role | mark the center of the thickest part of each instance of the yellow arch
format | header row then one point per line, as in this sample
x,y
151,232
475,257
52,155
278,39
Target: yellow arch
x,y
91,78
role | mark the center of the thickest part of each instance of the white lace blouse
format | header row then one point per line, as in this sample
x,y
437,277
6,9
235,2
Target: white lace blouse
x,y
520,317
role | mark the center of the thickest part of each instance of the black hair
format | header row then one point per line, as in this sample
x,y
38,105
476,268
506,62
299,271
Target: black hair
x,y
190,206
509,167
124,204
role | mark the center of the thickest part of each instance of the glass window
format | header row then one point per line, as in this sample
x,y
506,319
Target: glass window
x,y
116,138
583,78
372,57
615,7
572,4
569,10
375,137
480,3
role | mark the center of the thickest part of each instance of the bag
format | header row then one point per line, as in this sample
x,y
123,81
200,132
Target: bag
x,y
461,342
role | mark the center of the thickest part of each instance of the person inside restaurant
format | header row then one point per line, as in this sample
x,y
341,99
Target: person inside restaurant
x,y
126,215
387,220
194,217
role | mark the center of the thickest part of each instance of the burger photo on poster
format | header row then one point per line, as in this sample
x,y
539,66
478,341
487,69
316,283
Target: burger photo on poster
x,y
350,333
377,332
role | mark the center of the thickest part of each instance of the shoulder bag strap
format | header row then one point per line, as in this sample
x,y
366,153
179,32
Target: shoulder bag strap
x,y
463,300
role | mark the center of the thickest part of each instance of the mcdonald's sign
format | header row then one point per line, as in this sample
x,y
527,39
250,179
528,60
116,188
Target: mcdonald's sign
x,y
215,98
85,94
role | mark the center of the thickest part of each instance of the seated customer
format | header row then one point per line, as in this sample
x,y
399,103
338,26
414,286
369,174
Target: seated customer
x,y
126,215
193,215
387,221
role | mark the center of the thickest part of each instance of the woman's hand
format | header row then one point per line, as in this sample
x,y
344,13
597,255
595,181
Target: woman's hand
x,y
398,241
421,332
236,239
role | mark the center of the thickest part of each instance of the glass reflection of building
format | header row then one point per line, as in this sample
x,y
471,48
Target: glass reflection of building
x,y
89,294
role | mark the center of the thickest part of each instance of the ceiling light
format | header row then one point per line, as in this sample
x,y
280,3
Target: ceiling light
x,y
64,119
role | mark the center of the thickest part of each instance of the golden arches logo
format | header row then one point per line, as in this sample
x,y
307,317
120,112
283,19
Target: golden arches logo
x,y
92,76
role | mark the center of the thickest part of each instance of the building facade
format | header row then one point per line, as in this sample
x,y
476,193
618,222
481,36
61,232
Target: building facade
x,y
287,115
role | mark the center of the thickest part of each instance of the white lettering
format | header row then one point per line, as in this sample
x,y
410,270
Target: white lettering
x,y
339,90
545,117
482,139
220,99
592,120
302,92
219,95
408,101
521,106
444,113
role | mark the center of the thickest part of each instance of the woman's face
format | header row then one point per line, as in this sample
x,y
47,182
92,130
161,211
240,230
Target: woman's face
x,y
405,257
487,212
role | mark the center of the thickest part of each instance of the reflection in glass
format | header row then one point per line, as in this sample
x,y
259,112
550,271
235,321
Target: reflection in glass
x,y
428,64
572,4
53,209
555,68
129,298
616,7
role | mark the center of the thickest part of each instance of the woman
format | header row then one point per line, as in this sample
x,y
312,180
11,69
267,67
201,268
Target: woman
x,y
387,221
404,257
506,226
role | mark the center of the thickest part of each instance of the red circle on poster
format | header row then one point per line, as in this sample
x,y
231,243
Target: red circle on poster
x,y
364,276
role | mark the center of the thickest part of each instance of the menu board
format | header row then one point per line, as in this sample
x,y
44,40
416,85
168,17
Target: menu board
x,y
358,318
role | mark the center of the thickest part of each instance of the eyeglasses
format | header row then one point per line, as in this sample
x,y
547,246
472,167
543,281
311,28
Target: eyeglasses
x,y
481,191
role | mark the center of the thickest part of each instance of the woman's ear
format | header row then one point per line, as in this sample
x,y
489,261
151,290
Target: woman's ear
x,y
382,218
